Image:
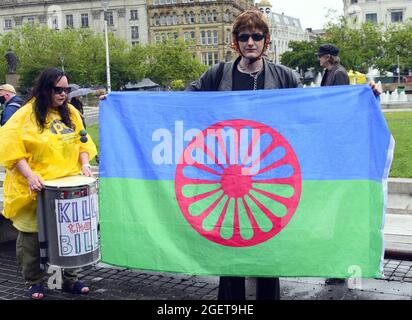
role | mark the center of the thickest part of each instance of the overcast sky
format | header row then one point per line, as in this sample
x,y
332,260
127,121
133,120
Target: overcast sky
x,y
310,12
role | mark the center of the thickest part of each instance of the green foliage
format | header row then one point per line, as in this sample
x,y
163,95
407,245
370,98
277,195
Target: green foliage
x,y
302,55
360,48
177,85
172,60
398,40
81,53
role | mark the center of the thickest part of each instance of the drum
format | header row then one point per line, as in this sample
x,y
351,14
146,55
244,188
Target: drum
x,y
67,217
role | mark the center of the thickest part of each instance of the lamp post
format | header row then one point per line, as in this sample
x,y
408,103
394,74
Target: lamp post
x,y
398,48
62,61
105,4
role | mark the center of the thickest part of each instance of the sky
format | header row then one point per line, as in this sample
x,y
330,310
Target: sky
x,y
310,12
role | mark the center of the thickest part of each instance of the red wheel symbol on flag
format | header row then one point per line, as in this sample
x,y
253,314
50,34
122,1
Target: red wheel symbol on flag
x,y
238,183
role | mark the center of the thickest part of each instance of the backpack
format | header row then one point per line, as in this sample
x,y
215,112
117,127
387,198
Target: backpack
x,y
12,104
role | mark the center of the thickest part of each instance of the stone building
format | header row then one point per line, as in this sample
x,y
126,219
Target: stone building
x,y
283,29
127,19
382,12
204,23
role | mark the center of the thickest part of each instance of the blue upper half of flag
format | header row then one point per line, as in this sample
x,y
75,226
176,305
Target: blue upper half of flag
x,y
335,133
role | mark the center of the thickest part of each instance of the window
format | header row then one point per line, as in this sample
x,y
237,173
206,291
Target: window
x,y
109,18
85,20
134,33
209,16
203,37
134,15
156,20
192,17
30,20
353,1
214,16
55,23
209,37
210,58
228,37
396,16
69,21
7,24
372,17
187,17
215,37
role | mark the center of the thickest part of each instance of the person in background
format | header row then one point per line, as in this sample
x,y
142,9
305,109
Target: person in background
x,y
41,142
10,100
335,74
78,104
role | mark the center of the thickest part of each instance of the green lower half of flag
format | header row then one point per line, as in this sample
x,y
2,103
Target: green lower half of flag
x,y
336,231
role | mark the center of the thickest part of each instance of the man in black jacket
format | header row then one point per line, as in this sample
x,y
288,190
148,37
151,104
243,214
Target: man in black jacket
x,y
250,71
335,74
11,102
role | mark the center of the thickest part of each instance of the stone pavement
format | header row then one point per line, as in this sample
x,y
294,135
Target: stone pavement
x,y
111,283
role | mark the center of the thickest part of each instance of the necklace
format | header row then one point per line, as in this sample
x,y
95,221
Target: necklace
x,y
254,75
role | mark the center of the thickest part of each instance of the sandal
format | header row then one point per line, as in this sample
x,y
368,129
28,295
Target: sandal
x,y
36,291
76,287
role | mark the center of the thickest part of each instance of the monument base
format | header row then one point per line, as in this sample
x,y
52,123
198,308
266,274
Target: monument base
x,y
13,79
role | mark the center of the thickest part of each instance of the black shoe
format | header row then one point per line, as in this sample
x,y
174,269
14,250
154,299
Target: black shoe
x,y
335,281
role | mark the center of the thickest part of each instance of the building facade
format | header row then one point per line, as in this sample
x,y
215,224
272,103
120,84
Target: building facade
x,y
205,24
127,19
382,12
283,29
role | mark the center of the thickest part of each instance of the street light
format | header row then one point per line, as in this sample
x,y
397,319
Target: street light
x,y
105,4
398,48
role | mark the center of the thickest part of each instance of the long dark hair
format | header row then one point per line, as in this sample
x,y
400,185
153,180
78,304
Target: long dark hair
x,y
43,91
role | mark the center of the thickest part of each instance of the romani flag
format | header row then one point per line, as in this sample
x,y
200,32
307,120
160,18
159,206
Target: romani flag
x,y
287,182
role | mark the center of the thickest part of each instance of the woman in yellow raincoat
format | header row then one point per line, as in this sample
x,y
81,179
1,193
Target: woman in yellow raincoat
x,y
40,142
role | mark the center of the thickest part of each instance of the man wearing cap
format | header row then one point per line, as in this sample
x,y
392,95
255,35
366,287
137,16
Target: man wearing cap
x,y
11,102
335,74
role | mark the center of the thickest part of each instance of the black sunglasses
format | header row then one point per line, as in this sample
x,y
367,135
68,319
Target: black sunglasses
x,y
255,36
59,90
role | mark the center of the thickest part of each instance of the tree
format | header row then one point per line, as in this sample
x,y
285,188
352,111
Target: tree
x,y
302,55
171,60
82,55
398,41
360,48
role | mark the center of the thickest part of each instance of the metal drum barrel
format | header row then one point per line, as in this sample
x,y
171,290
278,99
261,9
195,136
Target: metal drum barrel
x,y
67,217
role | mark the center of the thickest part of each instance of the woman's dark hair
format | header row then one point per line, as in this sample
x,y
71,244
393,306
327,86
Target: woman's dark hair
x,y
43,91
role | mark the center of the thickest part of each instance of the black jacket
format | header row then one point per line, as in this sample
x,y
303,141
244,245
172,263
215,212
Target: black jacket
x,y
335,77
276,77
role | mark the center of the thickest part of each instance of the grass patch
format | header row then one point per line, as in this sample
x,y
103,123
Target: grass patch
x,y
400,124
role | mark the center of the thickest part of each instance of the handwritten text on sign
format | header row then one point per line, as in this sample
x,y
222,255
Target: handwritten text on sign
x,y
77,225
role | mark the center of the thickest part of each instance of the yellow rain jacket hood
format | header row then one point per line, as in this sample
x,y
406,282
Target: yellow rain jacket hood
x,y
52,153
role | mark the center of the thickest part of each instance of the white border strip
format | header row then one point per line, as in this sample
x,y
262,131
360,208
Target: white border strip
x,y
385,177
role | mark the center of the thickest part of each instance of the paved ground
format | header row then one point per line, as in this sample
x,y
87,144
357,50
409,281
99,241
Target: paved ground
x,y
108,283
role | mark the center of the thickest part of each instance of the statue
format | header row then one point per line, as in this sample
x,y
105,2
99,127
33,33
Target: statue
x,y
12,61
